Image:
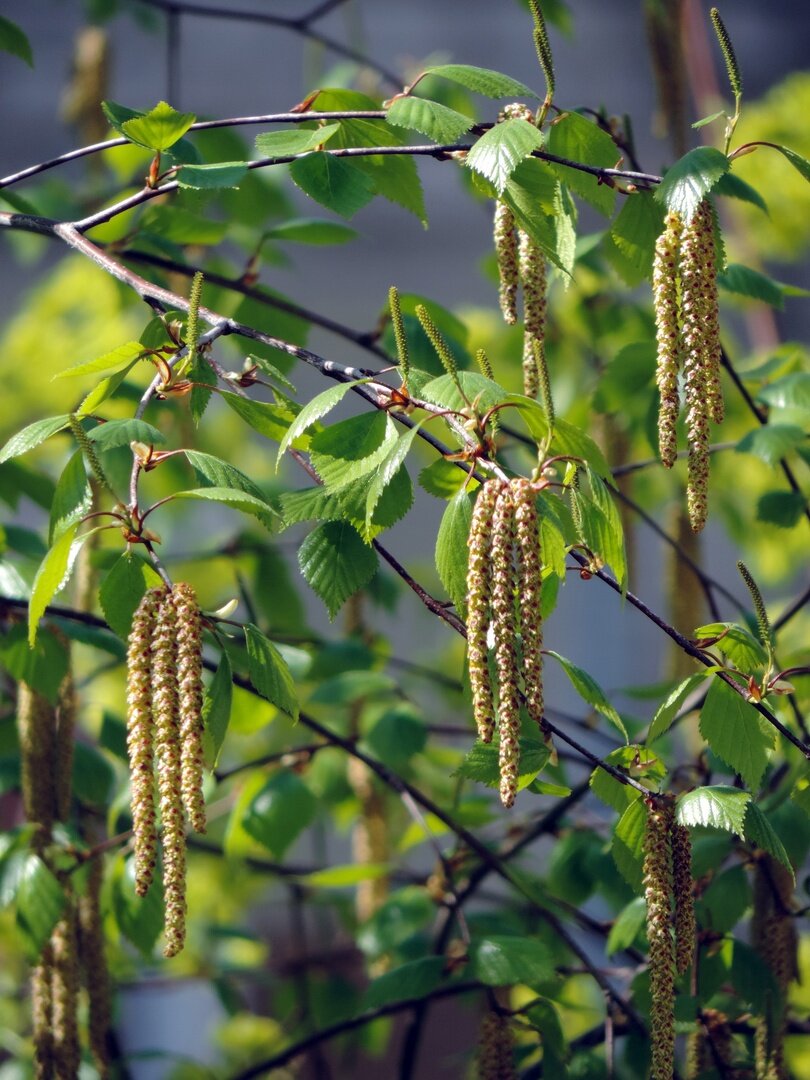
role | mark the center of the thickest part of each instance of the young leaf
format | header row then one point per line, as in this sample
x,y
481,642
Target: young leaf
x,y
32,436
744,281
790,392
590,691
733,187
269,672
314,409
72,498
52,575
311,504
14,41
336,563
285,143
352,448
481,763
715,807
801,164
451,548
217,711
238,500
627,926
219,473
438,122
738,644
114,433
280,812
484,81
772,442
123,355
635,231
628,844
393,504
40,900
408,982
388,468
759,831
781,508
333,182
670,708
504,961
223,174
736,733
574,137
317,231
158,129
122,589
687,183
500,150
272,421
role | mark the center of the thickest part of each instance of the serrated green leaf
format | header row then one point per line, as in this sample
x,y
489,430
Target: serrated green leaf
x,y
637,761
32,436
442,478
223,174
670,708
311,504
725,901
492,84
122,589
627,847
291,141
504,961
272,421
408,982
714,807
733,187
221,474
280,812
54,570
753,980
236,500
39,900
397,736
43,667
159,128
572,441
452,554
500,150
72,498
738,644
388,468
116,358
735,732
318,231
203,378
269,672
589,690
781,508
574,137
393,504
350,449
438,122
14,41
333,182
744,281
477,388
481,763
336,563
801,164
103,390
114,433
635,231
627,926
772,442
217,711
314,409
790,392
759,831
609,538
687,183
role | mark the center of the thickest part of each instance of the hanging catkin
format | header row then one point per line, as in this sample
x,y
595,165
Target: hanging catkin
x,y
65,994
685,928
495,1044
658,886
94,967
529,591
774,937
668,334
190,693
506,252
504,631
479,592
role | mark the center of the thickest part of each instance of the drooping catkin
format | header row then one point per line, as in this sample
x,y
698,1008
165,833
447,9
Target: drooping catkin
x,y
65,994
42,1013
140,738
685,927
166,710
478,608
190,694
94,967
503,622
64,742
658,884
36,721
506,251
495,1043
530,593
668,335
532,264
773,935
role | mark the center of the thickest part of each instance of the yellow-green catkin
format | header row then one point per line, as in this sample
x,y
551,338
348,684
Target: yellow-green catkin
x,y
530,594
165,707
141,737
495,1043
532,265
685,926
94,967
658,886
42,1014
64,742
730,57
36,722
65,995
503,623
190,694
668,335
506,251
711,1046
774,937
478,608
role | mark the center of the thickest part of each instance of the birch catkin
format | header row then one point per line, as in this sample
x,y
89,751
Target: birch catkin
x,y
190,692
685,928
495,1045
478,609
668,335
503,623
658,894
529,574
506,251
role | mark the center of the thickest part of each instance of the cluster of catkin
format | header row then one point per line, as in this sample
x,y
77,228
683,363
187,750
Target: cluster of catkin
x,y
74,952
688,335
504,568
670,925
164,739
522,263
495,1045
774,936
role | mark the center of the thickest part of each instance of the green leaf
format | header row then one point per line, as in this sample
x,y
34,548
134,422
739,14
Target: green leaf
x,y
772,442
388,468
628,844
318,231
627,926
221,474
32,436
122,590
504,961
634,232
140,919
39,900
667,712
394,503
736,732
314,409
589,690
336,563
398,734
481,763
801,164
280,812
781,508
237,500
408,982
222,174
738,644
606,535
338,877
733,187
714,807
269,672
72,498
333,182
103,390
574,442
500,150
158,129
477,388
122,355
790,392
577,139
759,831
708,119
352,448
272,421
438,122
754,981
687,183
53,573
634,760
175,225
217,711
93,778
442,478
311,504
291,141
43,667
744,281
725,901
14,41
114,433
452,554
492,84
